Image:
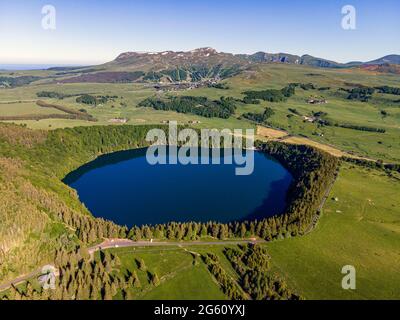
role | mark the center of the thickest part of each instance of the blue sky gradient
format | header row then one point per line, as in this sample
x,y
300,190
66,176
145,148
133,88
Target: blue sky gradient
x,y
92,31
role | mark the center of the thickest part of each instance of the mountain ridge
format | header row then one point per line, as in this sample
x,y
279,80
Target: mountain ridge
x,y
260,56
200,65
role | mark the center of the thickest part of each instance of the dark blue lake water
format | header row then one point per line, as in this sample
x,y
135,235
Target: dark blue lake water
x,y
124,188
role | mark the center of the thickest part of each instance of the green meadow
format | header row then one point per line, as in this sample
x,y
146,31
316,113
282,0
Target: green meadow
x,y
361,229
182,274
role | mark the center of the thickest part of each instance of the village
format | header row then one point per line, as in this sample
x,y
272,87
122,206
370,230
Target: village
x,y
179,86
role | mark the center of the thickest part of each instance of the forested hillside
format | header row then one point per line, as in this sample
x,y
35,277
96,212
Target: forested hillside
x,y
33,163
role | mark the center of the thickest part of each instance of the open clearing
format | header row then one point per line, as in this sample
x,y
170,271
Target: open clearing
x,y
181,275
270,133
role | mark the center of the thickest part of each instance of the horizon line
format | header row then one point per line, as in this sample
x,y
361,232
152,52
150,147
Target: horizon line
x,y
74,63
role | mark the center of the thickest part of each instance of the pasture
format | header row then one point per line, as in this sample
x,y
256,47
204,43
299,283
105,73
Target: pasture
x,y
338,109
361,229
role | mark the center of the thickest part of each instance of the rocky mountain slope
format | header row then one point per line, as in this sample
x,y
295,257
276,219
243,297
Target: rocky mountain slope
x,y
203,64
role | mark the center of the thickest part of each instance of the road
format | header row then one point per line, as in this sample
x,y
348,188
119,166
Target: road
x,y
124,243
321,206
20,279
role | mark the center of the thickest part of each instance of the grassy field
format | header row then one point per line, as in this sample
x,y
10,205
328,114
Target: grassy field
x,y
182,276
379,146
195,283
125,106
361,229
25,108
384,146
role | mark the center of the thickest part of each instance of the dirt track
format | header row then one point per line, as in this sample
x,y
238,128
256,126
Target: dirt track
x,y
279,135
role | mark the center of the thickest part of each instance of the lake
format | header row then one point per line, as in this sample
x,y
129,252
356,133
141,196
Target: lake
x,y
125,188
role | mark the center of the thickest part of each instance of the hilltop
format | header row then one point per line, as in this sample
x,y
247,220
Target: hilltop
x,y
382,68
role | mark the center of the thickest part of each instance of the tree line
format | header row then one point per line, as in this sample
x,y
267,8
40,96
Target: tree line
x,y
201,106
252,264
13,82
388,90
51,94
271,95
259,117
327,122
94,100
374,164
83,278
362,94
227,284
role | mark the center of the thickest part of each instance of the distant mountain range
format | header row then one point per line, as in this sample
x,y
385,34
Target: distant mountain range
x,y
317,62
202,64
390,59
204,55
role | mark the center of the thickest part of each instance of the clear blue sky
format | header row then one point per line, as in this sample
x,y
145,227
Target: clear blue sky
x,y
92,31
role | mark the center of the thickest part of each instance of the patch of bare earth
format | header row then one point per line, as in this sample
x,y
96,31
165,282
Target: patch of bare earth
x,y
271,133
300,140
280,135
